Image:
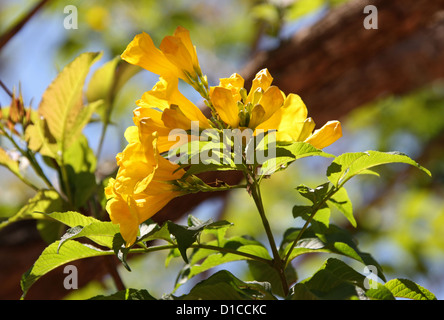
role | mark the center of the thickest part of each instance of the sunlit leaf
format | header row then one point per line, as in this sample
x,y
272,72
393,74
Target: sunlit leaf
x,y
225,286
266,273
288,153
45,201
347,165
341,201
8,162
335,280
52,258
62,114
404,288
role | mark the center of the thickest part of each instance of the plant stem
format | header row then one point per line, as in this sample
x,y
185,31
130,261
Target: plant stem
x,y
27,154
309,220
202,246
277,261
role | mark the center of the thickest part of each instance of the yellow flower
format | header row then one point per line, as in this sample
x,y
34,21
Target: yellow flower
x,y
143,183
266,107
164,109
176,55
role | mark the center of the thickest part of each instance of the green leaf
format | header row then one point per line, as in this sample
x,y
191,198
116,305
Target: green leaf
x,y
128,294
106,83
265,273
314,195
321,219
332,240
186,236
335,280
225,286
44,201
62,114
150,230
72,218
341,201
287,153
101,232
404,288
80,163
380,293
121,250
8,162
51,258
204,259
348,165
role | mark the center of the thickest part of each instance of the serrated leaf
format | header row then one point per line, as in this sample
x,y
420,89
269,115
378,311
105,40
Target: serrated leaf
x,y
121,250
225,286
150,230
332,240
62,114
8,162
287,153
72,218
341,201
106,83
185,236
101,232
335,280
62,101
204,259
80,162
380,293
51,259
265,273
404,288
348,165
315,195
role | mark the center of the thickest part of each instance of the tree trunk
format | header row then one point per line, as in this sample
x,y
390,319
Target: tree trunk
x,y
337,65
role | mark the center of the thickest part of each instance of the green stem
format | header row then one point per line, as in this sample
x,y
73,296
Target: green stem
x,y
25,181
309,220
27,154
277,261
66,181
202,246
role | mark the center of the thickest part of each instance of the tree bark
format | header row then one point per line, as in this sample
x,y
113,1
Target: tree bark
x,y
337,65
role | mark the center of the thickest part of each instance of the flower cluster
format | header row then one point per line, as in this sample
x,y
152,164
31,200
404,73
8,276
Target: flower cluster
x,y
145,180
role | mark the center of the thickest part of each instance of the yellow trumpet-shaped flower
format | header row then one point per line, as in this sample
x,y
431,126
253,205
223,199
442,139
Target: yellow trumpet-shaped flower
x,y
143,183
176,55
266,107
164,109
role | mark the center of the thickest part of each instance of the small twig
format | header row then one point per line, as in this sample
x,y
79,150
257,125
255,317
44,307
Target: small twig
x,y
8,35
6,89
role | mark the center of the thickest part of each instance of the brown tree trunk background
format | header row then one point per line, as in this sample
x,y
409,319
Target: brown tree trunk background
x,y
335,65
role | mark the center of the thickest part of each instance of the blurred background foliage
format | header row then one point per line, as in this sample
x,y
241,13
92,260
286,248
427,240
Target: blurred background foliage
x,y
400,215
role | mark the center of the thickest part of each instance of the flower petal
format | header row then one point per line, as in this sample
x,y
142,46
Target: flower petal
x,y
225,106
325,136
143,53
